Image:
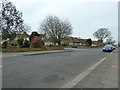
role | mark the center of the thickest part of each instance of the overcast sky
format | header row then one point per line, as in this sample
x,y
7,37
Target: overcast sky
x,y
86,17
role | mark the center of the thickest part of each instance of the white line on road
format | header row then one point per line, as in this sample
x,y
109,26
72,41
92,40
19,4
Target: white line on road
x,y
76,80
1,66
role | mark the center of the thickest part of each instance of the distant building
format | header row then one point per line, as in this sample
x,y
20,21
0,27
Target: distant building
x,y
48,42
82,42
77,41
96,43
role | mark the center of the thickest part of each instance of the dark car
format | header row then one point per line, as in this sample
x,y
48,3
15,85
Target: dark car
x,y
108,48
74,46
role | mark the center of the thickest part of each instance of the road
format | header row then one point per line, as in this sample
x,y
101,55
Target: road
x,y
48,70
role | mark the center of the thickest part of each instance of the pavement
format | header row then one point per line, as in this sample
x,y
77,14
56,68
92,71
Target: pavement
x,y
104,76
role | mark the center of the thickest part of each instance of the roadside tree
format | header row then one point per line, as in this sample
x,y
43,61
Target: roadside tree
x,y
88,42
55,28
33,34
102,34
20,42
11,21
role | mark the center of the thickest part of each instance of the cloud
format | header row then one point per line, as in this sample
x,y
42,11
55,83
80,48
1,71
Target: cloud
x,y
86,17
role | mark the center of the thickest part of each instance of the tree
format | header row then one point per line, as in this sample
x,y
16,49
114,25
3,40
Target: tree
x,y
55,28
25,44
11,21
110,40
88,42
33,34
20,41
102,34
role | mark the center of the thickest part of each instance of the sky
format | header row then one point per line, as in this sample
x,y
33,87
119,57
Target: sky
x,y
85,16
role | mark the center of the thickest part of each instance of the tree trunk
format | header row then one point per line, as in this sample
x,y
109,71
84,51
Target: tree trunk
x,y
59,42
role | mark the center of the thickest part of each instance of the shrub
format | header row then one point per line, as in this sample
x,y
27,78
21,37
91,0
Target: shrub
x,y
88,42
42,42
36,42
65,44
26,44
14,44
4,45
20,41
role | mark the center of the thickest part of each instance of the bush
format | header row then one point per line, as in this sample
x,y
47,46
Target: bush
x,y
65,44
26,44
4,45
42,43
88,42
20,41
14,44
36,42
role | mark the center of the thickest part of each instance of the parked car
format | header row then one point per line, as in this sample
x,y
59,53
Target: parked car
x,y
108,48
114,47
74,46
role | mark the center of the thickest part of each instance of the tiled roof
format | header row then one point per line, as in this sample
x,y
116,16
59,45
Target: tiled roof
x,y
76,40
82,40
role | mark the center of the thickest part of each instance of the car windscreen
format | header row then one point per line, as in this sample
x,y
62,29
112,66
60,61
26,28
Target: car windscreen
x,y
108,46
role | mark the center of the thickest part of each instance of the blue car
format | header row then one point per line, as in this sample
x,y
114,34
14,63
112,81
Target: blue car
x,y
108,48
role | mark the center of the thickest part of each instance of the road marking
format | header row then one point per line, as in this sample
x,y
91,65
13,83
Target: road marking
x,y
76,80
1,66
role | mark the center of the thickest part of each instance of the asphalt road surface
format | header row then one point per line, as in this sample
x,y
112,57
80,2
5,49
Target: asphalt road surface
x,y
48,70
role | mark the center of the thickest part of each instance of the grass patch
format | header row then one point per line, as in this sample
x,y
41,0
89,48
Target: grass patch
x,y
22,49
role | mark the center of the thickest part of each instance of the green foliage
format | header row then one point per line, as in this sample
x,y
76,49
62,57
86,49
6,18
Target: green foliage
x,y
36,45
11,22
20,41
42,42
103,44
88,42
65,44
14,44
26,44
4,45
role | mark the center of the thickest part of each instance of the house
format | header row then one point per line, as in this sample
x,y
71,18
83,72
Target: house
x,y
70,40
77,41
82,42
48,42
96,43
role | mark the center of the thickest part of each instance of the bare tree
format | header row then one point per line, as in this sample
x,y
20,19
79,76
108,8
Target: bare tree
x,y
110,40
55,28
102,34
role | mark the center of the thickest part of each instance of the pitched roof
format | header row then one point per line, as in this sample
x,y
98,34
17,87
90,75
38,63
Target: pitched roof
x,y
82,40
73,40
76,40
